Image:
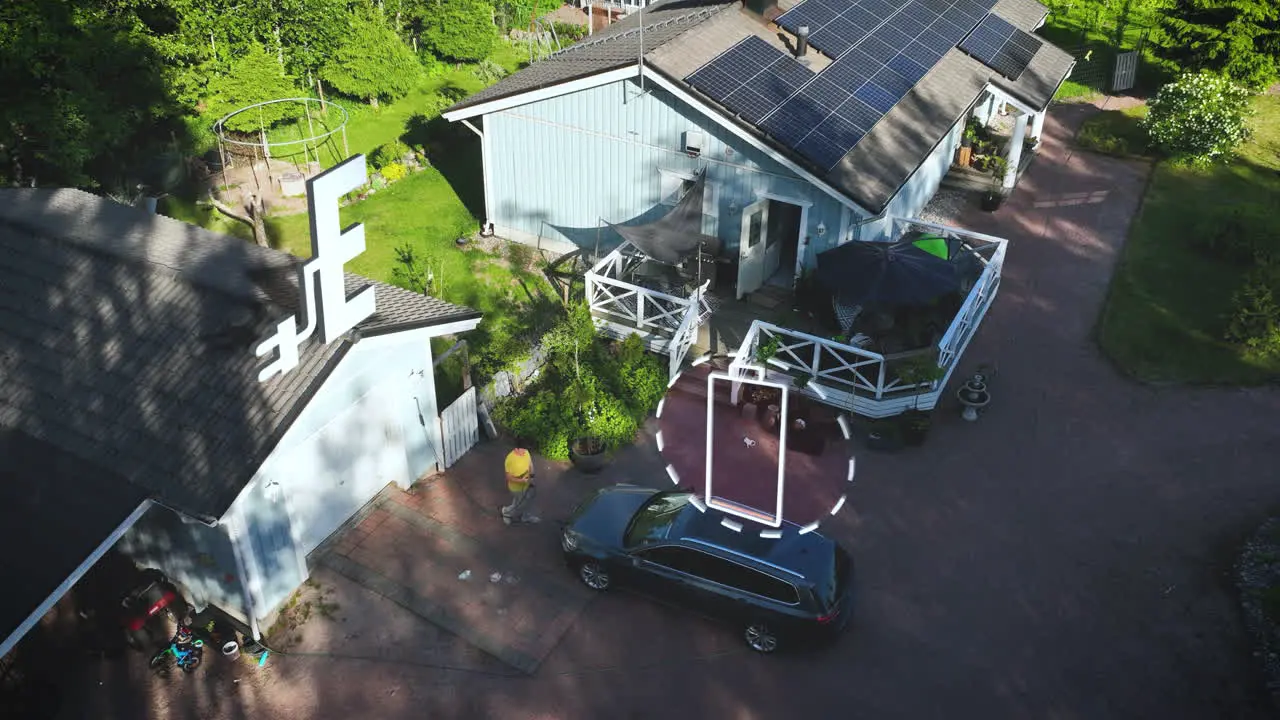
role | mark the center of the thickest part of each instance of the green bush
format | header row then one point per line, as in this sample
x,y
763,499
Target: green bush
x,y
394,171
388,153
1245,235
1255,318
588,387
1199,117
569,33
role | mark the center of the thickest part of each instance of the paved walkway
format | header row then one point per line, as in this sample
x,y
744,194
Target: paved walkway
x,y
1066,557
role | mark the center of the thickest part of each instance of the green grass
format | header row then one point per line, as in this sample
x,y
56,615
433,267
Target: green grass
x,y
1115,132
1169,302
1092,39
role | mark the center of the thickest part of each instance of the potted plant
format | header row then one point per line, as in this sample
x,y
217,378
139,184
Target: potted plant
x,y
964,155
916,422
995,195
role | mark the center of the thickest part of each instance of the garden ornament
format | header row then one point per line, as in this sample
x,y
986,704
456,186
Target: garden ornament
x,y
973,395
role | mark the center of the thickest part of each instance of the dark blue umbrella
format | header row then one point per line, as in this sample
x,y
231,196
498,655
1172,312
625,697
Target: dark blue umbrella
x,y
886,275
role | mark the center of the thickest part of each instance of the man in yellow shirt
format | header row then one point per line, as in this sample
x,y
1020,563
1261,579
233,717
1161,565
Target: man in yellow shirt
x,y
519,468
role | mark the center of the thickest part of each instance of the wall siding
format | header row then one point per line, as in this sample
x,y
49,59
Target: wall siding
x,y
197,557
393,369
559,166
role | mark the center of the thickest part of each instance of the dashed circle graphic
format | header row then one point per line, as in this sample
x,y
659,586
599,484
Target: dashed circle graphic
x,y
735,522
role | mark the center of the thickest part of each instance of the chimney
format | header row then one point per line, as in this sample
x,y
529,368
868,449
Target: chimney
x,y
802,40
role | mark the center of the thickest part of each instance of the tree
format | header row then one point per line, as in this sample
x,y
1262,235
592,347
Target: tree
x,y
372,63
461,30
1238,37
84,101
1199,117
254,77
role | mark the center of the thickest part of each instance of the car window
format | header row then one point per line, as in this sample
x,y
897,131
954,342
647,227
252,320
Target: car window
x,y
830,588
724,572
654,519
676,558
744,578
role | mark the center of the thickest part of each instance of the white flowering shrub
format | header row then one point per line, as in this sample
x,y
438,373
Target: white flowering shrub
x,y
1199,117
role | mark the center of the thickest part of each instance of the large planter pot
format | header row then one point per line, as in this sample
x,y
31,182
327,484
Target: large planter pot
x,y
915,427
587,455
885,436
991,201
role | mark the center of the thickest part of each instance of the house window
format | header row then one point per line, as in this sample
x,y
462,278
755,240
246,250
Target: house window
x,y
674,186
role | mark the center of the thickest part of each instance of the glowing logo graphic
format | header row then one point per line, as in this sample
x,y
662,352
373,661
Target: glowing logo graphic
x,y
323,286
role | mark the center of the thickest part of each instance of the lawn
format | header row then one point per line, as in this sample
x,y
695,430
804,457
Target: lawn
x,y
1115,132
1170,300
1092,39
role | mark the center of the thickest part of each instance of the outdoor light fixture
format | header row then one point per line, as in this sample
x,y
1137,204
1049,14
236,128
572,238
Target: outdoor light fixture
x,y
822,229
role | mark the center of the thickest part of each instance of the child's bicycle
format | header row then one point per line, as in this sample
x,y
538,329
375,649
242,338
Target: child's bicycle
x,y
183,650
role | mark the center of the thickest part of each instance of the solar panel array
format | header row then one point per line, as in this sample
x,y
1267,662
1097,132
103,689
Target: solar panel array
x,y
751,78
1000,46
881,49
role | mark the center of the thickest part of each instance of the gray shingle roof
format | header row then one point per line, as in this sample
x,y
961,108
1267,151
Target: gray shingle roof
x,y
870,174
130,337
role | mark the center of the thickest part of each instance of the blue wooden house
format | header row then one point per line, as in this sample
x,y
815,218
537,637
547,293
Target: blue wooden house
x,y
803,125
134,414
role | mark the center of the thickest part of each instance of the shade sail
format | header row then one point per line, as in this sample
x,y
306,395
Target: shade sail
x,y
676,235
886,275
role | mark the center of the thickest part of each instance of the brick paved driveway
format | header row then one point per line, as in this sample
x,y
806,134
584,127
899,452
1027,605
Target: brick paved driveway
x,y
1065,557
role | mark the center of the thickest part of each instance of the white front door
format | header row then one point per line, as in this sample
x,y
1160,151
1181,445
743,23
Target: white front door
x,y
751,247
773,248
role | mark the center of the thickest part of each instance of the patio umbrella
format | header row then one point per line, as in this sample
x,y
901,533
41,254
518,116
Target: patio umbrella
x,y
935,245
885,275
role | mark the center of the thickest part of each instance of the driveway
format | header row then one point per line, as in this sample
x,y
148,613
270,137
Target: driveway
x,y
1067,556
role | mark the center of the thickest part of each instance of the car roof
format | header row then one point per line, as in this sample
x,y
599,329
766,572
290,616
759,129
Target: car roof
x,y
808,554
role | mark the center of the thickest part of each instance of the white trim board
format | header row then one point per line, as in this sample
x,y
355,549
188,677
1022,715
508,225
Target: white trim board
x,y
73,578
546,93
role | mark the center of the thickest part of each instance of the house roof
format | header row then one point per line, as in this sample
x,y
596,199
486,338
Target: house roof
x,y
57,511
130,343
682,35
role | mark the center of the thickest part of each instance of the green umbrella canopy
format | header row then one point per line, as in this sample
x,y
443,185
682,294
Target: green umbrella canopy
x,y
935,245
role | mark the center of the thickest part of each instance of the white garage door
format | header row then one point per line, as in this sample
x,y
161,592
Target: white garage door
x,y
335,472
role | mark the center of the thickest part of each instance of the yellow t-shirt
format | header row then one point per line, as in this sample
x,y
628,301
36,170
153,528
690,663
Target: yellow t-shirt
x,y
519,466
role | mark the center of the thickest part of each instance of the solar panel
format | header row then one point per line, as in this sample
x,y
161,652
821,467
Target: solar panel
x,y
751,78
1000,46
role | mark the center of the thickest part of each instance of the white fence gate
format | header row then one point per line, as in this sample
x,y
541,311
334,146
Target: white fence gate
x,y
459,427
1126,71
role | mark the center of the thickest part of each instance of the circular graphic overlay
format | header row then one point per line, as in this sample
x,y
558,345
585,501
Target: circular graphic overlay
x,y
771,456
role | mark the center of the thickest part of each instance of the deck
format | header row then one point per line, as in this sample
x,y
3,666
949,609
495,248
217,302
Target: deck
x,y
683,322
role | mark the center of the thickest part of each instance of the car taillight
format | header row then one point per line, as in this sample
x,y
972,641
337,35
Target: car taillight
x,y
825,619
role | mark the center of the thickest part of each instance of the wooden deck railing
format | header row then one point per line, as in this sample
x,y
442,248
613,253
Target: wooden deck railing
x,y
869,383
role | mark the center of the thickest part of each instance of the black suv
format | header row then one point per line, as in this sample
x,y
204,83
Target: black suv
x,y
777,590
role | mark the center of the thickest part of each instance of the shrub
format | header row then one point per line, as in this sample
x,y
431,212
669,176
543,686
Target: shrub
x,y
1242,237
1255,319
569,33
587,388
394,171
488,71
388,153
1199,117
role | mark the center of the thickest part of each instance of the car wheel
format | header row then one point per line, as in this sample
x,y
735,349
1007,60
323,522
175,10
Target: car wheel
x,y
594,576
760,637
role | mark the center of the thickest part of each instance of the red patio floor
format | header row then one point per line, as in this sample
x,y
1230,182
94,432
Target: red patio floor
x,y
747,474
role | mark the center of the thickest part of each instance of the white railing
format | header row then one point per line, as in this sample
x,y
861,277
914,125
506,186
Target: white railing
x,y
687,333
621,308
866,382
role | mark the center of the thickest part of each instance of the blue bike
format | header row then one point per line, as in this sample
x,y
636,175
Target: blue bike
x,y
184,650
